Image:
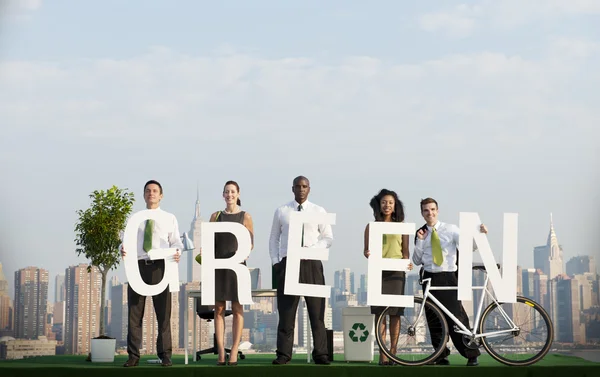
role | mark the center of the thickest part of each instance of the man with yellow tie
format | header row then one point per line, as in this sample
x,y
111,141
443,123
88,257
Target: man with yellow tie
x,y
162,233
436,248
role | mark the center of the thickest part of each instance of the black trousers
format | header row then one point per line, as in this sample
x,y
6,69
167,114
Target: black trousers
x,y
311,272
450,300
151,274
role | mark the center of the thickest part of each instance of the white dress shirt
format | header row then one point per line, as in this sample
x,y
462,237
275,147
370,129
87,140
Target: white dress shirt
x,y
165,234
314,235
449,235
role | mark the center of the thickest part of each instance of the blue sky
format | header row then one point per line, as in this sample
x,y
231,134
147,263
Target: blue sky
x,y
488,106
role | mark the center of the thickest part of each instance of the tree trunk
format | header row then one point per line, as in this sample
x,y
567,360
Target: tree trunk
x,y
104,272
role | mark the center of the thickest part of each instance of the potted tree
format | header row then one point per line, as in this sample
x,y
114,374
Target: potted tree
x,y
98,236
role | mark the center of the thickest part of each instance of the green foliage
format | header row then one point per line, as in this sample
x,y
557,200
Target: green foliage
x,y
98,231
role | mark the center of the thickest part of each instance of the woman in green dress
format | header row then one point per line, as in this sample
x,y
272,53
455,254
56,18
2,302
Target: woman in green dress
x,y
388,208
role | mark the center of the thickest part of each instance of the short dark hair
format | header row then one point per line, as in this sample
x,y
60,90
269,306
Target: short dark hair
x,y
239,202
152,181
397,216
299,178
427,201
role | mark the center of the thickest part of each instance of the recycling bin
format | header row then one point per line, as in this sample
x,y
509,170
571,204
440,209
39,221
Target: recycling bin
x,y
358,325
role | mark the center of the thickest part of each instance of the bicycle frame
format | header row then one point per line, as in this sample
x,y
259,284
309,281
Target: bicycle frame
x,y
463,329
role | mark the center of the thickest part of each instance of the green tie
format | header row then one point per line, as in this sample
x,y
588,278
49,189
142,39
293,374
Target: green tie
x,y
302,243
148,235
436,248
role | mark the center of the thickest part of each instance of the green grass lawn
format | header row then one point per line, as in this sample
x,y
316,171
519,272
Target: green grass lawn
x,y
254,360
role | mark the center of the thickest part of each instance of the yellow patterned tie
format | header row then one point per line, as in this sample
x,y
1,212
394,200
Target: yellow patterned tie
x,y
436,248
148,235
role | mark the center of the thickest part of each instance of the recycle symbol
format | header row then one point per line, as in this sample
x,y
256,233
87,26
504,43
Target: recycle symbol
x,y
359,332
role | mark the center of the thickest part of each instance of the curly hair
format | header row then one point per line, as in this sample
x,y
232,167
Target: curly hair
x,y
397,215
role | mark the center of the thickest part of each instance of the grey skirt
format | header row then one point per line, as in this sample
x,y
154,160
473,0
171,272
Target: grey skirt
x,y
392,284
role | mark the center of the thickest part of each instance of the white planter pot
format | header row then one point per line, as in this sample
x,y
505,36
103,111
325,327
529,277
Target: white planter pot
x,y
103,350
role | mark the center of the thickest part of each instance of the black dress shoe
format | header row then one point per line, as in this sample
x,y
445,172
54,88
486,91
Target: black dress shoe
x,y
281,361
324,360
440,361
472,362
131,363
166,362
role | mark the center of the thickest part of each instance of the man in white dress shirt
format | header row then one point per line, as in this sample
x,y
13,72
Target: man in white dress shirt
x,y
311,272
159,234
436,247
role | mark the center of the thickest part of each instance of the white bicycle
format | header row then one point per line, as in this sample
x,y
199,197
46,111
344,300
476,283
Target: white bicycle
x,y
517,334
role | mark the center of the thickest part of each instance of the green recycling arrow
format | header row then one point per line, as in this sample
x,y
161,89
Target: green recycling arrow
x,y
358,327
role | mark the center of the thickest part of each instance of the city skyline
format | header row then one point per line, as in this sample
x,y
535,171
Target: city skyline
x,y
188,265
571,298
185,267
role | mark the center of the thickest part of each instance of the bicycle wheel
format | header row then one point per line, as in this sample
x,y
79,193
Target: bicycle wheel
x,y
525,346
414,339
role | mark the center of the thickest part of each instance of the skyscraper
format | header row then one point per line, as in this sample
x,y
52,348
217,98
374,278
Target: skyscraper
x,y
193,268
5,306
549,257
31,299
564,310
540,289
581,265
361,294
557,266
59,288
528,278
119,314
82,314
3,283
344,281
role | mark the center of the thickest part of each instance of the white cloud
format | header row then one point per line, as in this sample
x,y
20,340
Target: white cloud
x,y
237,98
18,11
463,20
458,22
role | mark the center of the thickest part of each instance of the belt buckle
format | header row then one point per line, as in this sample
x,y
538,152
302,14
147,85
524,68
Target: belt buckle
x,y
148,262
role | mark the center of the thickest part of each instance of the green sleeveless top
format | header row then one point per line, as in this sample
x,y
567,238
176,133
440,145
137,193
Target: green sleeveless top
x,y
392,246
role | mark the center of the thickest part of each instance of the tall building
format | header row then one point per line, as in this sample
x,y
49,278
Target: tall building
x,y
343,281
59,288
585,284
255,278
564,310
557,266
341,301
6,308
3,283
361,294
204,329
114,281
581,265
549,258
540,259
193,268
540,289
6,316
82,314
119,314
527,282
31,298
58,318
